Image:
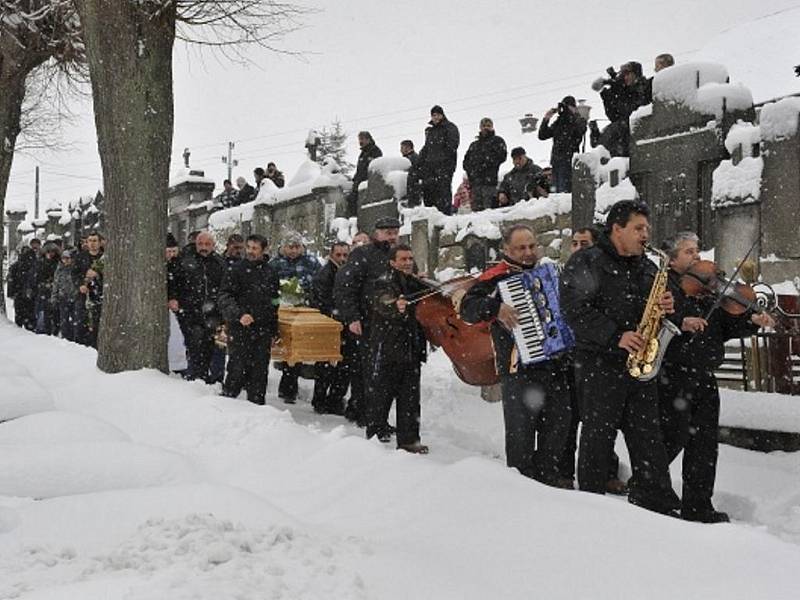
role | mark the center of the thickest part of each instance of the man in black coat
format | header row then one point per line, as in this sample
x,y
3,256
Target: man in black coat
x,y
604,291
248,300
622,94
687,389
369,152
536,396
247,192
44,272
354,290
192,293
22,288
481,162
521,182
437,161
331,381
81,265
567,133
397,349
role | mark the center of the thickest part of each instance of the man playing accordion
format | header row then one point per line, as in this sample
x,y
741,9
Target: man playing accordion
x,y
535,396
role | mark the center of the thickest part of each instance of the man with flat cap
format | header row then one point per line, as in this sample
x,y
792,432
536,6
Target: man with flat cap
x,y
354,290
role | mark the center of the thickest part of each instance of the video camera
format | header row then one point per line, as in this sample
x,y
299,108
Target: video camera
x,y
599,83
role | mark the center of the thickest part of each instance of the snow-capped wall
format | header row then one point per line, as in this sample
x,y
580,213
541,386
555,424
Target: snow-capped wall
x,y
702,87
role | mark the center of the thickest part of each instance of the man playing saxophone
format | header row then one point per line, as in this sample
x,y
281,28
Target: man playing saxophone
x,y
604,293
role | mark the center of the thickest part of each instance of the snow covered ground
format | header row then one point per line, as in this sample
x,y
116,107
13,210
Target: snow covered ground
x,y
142,486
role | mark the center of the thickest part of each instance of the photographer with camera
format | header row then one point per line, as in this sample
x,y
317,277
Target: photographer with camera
x,y
622,93
567,133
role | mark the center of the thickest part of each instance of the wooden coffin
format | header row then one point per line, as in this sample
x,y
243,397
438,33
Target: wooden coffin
x,y
306,336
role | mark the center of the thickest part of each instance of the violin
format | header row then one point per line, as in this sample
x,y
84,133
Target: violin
x,y
468,346
705,280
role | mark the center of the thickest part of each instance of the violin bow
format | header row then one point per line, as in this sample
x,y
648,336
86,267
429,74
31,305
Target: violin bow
x,y
730,281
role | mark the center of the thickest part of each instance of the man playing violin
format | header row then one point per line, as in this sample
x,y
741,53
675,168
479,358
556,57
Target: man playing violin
x,y
535,397
687,388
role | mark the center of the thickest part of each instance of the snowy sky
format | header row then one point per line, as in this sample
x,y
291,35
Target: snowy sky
x,y
381,65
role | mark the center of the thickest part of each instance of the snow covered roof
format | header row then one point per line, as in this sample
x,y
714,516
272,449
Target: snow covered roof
x,y
184,175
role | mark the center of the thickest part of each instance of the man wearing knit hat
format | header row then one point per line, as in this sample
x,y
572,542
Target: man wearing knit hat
x,y
437,161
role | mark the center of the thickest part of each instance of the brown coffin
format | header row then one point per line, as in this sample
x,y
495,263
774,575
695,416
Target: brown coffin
x,y
306,336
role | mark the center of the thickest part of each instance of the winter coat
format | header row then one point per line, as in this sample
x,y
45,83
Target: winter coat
x,y
603,295
368,153
567,134
483,159
64,288
482,303
45,271
438,157
304,267
395,337
412,157
228,198
195,285
82,262
21,276
246,194
95,284
704,350
277,178
251,288
322,289
354,286
519,183
620,100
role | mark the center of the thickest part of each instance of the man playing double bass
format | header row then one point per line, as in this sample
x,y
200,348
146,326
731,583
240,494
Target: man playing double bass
x,y
535,397
687,389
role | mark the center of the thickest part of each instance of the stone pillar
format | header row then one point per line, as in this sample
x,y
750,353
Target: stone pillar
x,y
584,187
13,220
740,226
375,202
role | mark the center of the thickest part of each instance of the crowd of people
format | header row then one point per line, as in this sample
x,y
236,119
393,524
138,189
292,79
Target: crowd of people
x,y
367,285
225,306
58,289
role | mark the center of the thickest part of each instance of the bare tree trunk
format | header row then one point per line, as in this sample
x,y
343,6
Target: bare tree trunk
x,y
129,49
12,94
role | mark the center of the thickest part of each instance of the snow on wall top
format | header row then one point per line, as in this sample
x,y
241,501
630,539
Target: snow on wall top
x,y
737,184
779,120
594,160
744,134
701,86
386,164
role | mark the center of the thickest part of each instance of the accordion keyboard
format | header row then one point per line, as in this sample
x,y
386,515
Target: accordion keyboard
x,y
529,334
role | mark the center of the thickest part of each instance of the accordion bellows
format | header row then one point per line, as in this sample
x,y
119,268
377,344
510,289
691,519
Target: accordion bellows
x,y
307,336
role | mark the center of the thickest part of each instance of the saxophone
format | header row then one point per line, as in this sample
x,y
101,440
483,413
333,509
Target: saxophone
x,y
656,331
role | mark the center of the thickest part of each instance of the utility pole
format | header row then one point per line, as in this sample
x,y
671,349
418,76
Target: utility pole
x,y
228,160
36,196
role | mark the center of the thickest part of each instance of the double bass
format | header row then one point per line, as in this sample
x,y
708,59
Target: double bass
x,y
468,346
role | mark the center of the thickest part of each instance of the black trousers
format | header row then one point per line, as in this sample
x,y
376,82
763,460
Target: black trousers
x,y
289,384
482,196
437,191
331,381
567,462
199,340
689,409
536,411
248,365
81,320
612,400
25,312
399,383
351,350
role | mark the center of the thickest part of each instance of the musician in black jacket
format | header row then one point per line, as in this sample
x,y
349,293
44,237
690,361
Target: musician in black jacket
x,y
331,381
604,291
397,348
354,289
687,389
535,397
248,300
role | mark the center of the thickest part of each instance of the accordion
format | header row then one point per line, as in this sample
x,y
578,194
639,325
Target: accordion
x,y
542,332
